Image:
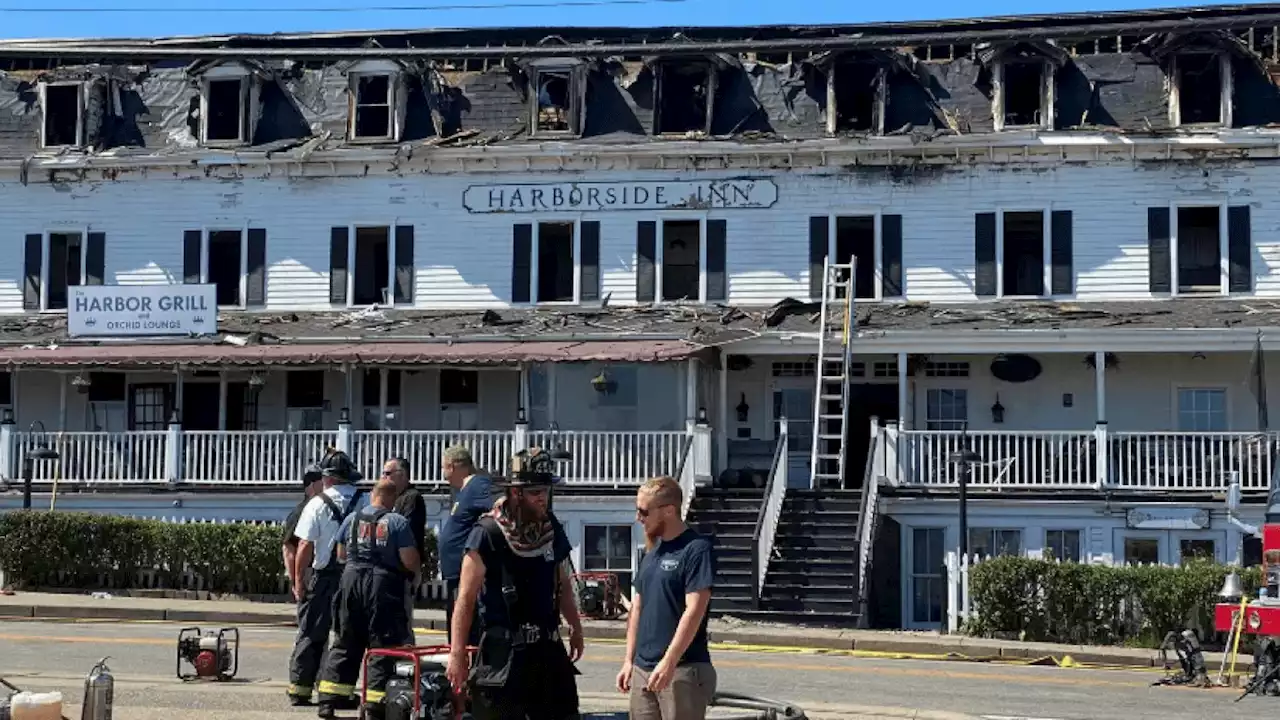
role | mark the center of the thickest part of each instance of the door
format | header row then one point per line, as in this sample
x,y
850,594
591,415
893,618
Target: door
x,y
459,400
242,407
150,406
928,577
200,402
794,401
866,401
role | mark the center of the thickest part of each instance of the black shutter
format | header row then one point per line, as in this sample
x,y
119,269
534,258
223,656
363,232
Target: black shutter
x,y
521,262
1240,249
338,237
95,259
646,251
589,238
717,278
31,268
191,257
891,252
404,264
818,245
256,266
1062,270
984,254
1158,272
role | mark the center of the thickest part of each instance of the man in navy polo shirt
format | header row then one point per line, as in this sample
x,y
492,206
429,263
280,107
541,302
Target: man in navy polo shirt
x,y
668,668
473,498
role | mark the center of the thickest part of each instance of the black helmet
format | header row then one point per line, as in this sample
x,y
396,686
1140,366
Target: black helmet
x,y
532,467
337,464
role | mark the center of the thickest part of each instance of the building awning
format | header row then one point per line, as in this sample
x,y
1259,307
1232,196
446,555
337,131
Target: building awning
x,y
383,353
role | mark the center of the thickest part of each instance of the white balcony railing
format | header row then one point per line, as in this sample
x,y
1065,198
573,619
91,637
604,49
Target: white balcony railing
x,y
424,450
95,457
214,457
615,458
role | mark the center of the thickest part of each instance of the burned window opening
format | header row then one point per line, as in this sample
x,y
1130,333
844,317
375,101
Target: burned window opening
x,y
65,269
372,265
685,97
856,239
1023,93
856,86
1022,270
555,271
1199,89
1199,250
63,115
555,105
681,260
373,106
225,262
225,111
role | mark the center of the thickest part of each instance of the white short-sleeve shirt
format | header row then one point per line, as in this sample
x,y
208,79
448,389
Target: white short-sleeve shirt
x,y
317,525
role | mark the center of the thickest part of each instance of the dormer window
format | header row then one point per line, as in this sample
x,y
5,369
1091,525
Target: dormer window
x,y
1201,93
226,105
63,124
856,97
557,96
1024,93
373,103
685,97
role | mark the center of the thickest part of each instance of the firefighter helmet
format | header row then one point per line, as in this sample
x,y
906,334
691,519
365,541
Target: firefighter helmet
x,y
531,467
337,464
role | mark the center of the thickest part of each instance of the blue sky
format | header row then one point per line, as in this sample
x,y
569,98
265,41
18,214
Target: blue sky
x,y
302,15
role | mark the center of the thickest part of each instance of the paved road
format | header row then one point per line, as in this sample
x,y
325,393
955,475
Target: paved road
x,y
55,655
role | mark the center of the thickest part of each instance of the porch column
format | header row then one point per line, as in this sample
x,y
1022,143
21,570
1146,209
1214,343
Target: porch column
x,y
902,391
222,399
691,388
1103,459
347,383
1100,383
382,397
524,389
722,415
62,402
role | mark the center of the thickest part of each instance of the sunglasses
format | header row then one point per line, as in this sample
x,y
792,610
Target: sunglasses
x,y
644,512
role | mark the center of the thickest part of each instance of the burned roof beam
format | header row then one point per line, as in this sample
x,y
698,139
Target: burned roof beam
x,y
848,42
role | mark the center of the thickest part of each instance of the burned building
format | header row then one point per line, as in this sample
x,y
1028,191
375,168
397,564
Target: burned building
x,y
228,252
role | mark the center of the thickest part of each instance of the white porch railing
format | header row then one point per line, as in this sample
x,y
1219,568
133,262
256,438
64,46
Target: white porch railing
x,y
616,458
491,450
95,457
251,457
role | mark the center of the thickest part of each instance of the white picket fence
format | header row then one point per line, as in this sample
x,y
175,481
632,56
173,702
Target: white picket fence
x,y
959,603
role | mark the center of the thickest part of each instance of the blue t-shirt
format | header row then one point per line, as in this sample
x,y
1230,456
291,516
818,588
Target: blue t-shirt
x,y
381,536
535,580
473,500
671,569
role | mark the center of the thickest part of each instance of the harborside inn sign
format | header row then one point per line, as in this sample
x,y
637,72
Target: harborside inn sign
x,y
142,310
738,193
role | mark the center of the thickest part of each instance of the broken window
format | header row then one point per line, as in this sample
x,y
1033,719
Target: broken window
x,y
1200,88
372,266
225,260
65,268
373,106
856,238
1023,254
224,110
1023,93
63,115
1199,250
681,260
555,267
854,88
685,96
558,95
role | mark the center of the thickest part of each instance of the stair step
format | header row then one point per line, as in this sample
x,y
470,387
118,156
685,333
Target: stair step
x,y
806,579
847,567
818,593
831,397
716,526
831,417
815,529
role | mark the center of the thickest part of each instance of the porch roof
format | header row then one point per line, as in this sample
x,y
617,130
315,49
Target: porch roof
x,y
378,353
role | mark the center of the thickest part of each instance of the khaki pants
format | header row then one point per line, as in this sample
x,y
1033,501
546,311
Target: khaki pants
x,y
686,698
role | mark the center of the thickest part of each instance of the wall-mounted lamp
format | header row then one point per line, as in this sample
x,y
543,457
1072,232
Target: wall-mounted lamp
x,y
521,419
744,410
702,416
997,412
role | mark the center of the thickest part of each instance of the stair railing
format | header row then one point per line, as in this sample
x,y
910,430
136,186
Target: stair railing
x,y
687,475
769,515
868,513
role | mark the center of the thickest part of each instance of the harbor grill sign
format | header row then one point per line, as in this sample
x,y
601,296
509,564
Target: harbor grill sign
x,y
738,193
142,310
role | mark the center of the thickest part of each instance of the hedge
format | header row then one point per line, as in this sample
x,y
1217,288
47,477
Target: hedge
x,y
1047,601
91,551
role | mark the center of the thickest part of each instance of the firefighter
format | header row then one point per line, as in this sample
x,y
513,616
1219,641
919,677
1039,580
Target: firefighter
x,y
514,567
316,571
381,558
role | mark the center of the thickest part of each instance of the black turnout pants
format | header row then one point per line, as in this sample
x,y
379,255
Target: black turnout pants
x,y
315,617
368,612
542,686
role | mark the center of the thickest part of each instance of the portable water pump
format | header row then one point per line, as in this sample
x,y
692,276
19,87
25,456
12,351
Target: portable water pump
x,y
434,699
213,655
598,595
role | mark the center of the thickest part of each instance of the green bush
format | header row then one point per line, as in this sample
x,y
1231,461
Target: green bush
x,y
87,551
1046,601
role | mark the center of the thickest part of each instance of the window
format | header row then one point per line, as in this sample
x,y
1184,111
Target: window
x,y
1197,549
1202,410
65,269
371,399
225,262
559,94
304,399
608,548
946,409
685,98
372,276
373,106
855,238
232,260
63,114
225,110
1141,551
1024,98
459,400
1022,253
554,265
928,578
371,265
995,542
1062,545
1199,250
1202,91
858,91
108,402
681,260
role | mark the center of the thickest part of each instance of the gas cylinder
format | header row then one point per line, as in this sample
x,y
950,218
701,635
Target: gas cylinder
x,y
99,693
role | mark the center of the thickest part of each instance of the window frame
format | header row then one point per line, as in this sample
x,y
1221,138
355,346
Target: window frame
x,y
1226,71
395,95
388,291
300,410
248,103
659,256
1224,247
873,211
1048,96
994,530
45,239
1178,389
945,388
631,554
1046,242
577,92
660,69
83,96
205,232
576,222
1082,556
880,105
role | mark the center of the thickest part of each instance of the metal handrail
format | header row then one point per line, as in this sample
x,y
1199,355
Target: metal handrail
x,y
866,515
687,489
762,544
